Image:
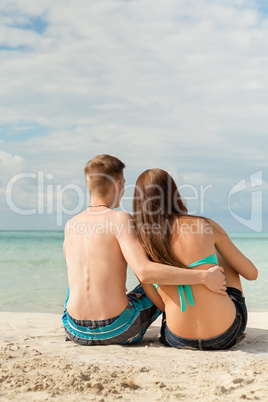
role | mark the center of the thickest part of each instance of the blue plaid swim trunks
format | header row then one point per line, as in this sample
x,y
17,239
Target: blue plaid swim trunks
x,y
126,329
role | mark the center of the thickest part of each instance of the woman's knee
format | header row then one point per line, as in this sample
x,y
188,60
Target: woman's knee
x,y
232,277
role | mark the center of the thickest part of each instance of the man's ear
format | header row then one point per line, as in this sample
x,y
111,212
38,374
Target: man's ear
x,y
117,186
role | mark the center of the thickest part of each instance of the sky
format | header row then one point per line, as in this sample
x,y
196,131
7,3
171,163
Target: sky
x,y
177,84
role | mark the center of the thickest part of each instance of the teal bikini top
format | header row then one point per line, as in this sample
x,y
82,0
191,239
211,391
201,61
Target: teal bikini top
x,y
212,259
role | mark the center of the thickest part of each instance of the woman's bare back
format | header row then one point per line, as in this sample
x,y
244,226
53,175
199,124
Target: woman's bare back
x,y
212,313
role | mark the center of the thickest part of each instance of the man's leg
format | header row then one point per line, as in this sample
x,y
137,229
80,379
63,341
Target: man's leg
x,y
148,310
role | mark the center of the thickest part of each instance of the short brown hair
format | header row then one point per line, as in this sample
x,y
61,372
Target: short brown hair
x,y
101,171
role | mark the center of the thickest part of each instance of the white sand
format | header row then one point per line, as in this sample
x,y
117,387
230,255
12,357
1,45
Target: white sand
x,y
36,364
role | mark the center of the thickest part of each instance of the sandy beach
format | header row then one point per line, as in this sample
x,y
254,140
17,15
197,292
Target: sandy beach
x,y
38,365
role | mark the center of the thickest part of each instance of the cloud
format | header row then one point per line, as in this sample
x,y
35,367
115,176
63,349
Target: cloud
x,y
10,165
178,84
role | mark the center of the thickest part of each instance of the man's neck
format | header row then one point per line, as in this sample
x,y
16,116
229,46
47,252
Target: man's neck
x,y
98,202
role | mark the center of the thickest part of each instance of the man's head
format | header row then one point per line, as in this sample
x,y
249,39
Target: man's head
x,y
104,173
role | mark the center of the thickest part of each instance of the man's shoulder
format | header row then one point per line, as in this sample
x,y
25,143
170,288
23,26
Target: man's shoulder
x,y
75,220
122,215
123,224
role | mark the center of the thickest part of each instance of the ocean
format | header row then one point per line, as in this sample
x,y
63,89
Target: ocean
x,y
33,273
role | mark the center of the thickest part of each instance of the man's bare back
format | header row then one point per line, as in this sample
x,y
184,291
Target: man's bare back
x,y
96,265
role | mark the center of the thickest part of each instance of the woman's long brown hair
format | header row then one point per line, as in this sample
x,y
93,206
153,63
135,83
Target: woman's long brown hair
x,y
156,206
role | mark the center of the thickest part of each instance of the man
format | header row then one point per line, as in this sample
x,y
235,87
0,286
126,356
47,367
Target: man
x,y
99,242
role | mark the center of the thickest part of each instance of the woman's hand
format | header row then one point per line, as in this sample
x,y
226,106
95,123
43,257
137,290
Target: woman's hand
x,y
215,280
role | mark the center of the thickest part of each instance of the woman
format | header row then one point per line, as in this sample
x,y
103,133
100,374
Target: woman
x,y
195,317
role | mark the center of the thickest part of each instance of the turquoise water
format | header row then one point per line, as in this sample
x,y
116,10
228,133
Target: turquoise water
x,y
33,274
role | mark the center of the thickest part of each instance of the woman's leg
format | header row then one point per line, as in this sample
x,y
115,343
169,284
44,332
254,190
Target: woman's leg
x,y
233,281
231,276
